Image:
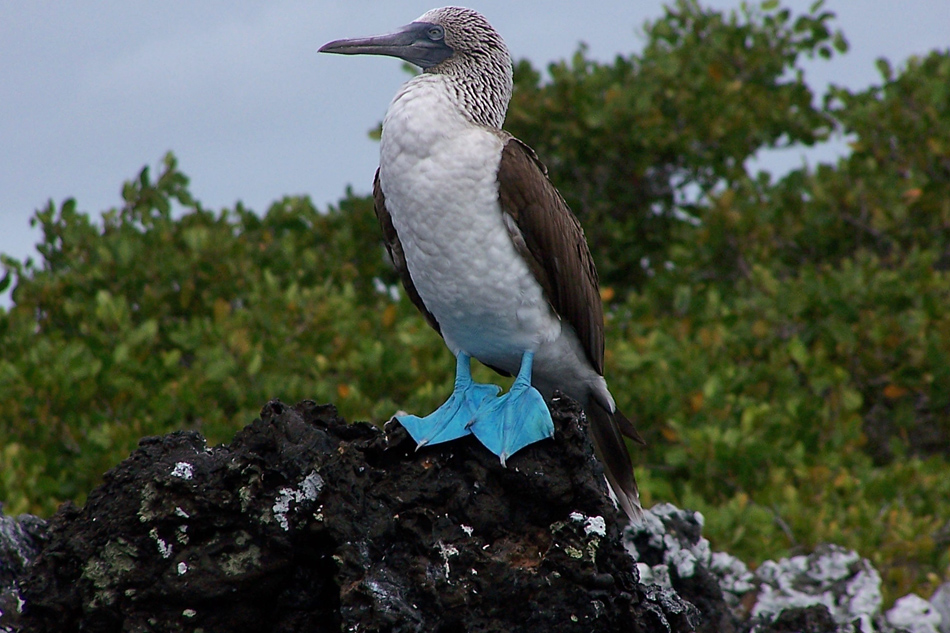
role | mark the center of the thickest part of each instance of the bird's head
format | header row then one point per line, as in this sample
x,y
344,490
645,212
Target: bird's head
x,y
451,41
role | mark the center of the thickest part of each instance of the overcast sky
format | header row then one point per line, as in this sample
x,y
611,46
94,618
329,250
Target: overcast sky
x,y
92,91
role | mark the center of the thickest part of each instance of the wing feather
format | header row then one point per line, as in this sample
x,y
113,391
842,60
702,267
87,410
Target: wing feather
x,y
550,238
552,241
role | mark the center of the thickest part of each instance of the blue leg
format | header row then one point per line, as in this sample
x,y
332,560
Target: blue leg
x,y
452,419
507,424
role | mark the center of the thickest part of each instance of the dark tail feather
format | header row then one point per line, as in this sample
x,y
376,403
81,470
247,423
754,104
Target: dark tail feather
x,y
607,431
627,428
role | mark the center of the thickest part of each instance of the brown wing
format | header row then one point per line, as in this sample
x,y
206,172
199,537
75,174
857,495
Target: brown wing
x,y
552,241
391,239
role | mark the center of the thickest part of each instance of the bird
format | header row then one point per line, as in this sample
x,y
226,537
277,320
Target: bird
x,y
487,249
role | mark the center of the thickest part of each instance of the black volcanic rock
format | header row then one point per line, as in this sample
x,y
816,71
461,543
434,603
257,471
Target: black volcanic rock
x,y
21,539
813,619
671,552
306,523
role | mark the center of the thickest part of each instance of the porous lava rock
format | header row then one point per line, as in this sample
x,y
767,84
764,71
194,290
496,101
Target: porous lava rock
x,y
671,552
21,539
306,523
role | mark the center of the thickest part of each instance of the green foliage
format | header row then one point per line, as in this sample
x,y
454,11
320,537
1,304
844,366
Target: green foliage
x,y
146,323
758,409
627,142
890,196
784,344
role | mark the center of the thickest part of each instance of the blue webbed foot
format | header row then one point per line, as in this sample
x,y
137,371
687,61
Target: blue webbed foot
x,y
452,419
507,424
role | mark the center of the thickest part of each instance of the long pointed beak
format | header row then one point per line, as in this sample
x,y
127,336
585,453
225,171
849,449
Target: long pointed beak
x,y
411,43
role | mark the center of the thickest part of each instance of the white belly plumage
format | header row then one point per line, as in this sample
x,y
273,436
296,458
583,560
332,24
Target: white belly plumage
x,y
457,247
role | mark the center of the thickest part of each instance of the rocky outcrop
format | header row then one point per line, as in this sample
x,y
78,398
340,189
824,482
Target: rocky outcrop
x,y
306,523
21,539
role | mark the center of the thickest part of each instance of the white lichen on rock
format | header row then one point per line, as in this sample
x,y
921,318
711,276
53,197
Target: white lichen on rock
x,y
579,546
734,576
840,579
914,615
184,470
164,548
447,551
307,490
655,575
679,553
592,525
941,602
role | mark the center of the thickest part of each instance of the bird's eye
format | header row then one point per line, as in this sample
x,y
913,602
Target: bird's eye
x,y
436,33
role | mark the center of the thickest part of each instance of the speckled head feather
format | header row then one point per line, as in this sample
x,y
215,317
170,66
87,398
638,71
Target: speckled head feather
x,y
480,65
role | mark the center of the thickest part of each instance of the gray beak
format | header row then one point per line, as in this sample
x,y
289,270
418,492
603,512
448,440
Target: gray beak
x,y
419,43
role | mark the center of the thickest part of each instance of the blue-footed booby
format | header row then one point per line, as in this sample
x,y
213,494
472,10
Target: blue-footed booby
x,y
487,249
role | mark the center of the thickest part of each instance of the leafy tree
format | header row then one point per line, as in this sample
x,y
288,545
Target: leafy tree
x,y
146,323
628,142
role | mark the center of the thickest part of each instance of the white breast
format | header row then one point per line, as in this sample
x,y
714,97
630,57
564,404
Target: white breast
x,y
438,172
